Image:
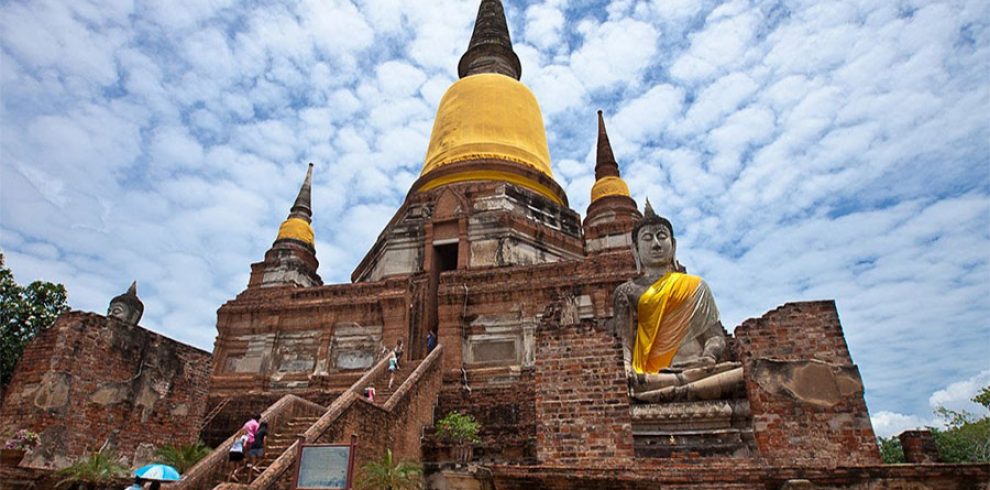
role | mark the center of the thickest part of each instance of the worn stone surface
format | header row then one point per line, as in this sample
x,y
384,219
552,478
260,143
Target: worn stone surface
x,y
810,382
805,393
90,382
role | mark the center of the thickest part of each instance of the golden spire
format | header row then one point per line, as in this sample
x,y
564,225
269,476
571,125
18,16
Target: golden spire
x,y
489,126
297,226
608,182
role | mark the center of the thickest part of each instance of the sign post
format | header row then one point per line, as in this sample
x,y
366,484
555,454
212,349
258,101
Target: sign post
x,y
325,466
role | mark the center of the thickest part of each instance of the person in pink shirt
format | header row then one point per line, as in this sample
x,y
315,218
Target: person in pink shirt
x,y
251,428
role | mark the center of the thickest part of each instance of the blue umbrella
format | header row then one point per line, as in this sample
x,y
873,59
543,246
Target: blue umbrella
x,y
160,472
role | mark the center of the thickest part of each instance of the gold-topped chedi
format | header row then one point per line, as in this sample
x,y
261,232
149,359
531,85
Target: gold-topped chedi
x,y
296,229
607,179
489,117
489,125
291,261
297,226
609,186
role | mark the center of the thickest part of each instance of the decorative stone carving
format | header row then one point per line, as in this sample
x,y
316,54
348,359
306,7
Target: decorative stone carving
x,y
127,307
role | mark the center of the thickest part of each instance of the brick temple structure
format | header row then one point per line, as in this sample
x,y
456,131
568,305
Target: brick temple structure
x,y
91,382
486,254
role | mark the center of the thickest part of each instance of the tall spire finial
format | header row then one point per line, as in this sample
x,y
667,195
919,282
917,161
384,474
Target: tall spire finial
x,y
490,50
605,165
303,208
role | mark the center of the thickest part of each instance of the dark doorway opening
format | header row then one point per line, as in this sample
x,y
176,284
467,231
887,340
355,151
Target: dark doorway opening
x,y
446,256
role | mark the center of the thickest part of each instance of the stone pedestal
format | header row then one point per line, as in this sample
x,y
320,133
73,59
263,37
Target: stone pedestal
x,y
693,429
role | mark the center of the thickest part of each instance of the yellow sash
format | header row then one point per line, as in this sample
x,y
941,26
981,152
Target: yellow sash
x,y
660,328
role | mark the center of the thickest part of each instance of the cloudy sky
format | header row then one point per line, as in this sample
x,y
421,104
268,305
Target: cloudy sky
x,y
803,149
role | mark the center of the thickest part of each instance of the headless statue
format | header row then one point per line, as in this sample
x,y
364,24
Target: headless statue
x,y
672,339
127,307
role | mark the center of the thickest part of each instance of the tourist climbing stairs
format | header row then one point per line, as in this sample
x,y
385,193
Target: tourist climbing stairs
x,y
383,392
293,420
283,437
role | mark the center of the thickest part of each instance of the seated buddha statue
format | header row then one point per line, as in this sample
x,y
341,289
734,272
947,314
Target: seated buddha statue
x,y
672,340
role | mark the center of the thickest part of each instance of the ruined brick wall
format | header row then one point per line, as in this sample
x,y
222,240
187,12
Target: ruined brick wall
x,y
89,382
743,477
239,409
506,412
919,447
805,394
582,402
290,340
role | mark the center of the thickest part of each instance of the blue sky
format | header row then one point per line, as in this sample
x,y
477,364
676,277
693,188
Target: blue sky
x,y
803,150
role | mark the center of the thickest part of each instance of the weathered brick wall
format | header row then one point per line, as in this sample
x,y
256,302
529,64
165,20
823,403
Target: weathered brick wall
x,y
805,330
506,413
89,382
239,409
805,394
582,402
919,447
743,477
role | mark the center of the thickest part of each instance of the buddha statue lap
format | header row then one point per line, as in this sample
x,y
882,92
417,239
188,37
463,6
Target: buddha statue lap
x,y
673,342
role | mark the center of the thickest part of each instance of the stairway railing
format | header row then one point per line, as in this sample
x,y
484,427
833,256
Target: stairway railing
x,y
277,470
211,468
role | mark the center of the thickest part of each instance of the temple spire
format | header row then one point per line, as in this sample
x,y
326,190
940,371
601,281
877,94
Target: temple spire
x,y
303,208
605,165
490,50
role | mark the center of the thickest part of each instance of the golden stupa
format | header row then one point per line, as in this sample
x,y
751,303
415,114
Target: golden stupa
x,y
490,118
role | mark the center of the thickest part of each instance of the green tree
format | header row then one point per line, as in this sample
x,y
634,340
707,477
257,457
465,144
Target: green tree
x,y
24,312
965,438
386,474
182,457
891,451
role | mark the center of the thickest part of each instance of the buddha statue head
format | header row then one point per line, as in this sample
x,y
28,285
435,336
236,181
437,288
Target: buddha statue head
x,y
653,243
127,307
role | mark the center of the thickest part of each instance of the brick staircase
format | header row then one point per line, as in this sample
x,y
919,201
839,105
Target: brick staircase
x,y
383,392
283,437
293,420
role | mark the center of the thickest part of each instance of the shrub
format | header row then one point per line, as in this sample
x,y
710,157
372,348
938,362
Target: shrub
x,y
386,474
182,457
457,428
98,470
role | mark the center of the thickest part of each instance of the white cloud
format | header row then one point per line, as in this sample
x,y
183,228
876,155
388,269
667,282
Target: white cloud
x,y
958,396
614,52
544,23
649,115
888,424
720,47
